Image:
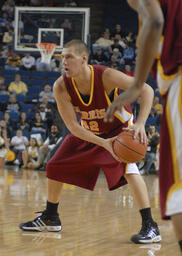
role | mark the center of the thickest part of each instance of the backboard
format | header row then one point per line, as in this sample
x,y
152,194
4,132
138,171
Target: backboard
x,y
49,24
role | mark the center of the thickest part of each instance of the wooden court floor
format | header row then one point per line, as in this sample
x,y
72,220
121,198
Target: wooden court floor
x,y
97,223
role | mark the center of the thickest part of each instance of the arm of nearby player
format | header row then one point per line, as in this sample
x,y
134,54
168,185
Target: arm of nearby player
x,y
115,79
67,112
152,24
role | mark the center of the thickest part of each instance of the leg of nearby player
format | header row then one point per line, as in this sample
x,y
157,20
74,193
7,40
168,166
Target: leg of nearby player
x,y
177,220
149,232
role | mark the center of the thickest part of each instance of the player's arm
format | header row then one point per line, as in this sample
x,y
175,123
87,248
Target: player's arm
x,y
152,24
67,112
115,79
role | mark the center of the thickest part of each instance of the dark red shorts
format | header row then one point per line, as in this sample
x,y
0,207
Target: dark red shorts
x,y
78,162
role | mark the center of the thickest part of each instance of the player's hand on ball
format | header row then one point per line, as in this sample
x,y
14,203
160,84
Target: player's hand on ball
x,y
108,145
138,131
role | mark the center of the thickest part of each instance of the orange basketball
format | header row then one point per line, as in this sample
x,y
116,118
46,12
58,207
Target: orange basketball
x,y
128,149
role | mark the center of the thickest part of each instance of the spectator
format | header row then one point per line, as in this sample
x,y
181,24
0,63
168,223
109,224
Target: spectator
x,y
106,30
23,122
4,147
20,26
8,37
8,124
47,92
30,155
41,65
8,7
19,143
153,118
3,19
117,54
28,62
131,38
18,86
70,3
66,25
157,105
153,142
3,86
114,63
128,70
49,107
53,138
35,2
38,126
6,28
12,104
13,62
117,30
4,52
116,45
128,55
103,42
46,116
99,57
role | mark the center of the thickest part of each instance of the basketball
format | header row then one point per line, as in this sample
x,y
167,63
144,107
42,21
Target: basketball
x,y
10,156
128,149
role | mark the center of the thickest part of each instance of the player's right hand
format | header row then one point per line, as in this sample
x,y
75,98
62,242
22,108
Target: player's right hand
x,y
108,145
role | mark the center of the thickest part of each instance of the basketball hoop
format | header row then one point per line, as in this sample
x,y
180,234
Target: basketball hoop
x,y
46,51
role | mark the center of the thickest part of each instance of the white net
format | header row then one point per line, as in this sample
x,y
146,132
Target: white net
x,y
46,51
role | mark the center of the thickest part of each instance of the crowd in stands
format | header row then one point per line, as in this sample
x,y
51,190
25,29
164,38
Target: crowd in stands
x,y
29,121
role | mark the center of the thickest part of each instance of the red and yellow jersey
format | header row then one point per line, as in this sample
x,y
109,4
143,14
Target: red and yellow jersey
x,y
171,54
93,111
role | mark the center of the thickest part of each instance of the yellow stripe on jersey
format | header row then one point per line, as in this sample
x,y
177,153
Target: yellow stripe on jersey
x,y
122,115
173,141
177,120
161,72
91,91
180,95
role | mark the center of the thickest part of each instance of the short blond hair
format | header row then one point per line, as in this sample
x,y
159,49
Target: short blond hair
x,y
79,45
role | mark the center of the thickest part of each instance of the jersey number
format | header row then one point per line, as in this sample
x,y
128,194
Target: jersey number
x,y
92,125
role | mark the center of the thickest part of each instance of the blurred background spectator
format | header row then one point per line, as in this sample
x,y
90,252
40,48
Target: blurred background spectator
x,y
13,104
18,86
19,144
3,86
47,92
28,62
53,138
30,155
13,62
4,146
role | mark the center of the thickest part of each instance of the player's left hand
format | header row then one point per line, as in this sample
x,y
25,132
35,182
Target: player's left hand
x,y
138,130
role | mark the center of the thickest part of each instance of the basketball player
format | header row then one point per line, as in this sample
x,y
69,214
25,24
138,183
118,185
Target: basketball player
x,y
169,78
88,90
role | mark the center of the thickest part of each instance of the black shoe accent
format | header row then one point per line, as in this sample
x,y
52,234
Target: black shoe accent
x,y
43,223
148,234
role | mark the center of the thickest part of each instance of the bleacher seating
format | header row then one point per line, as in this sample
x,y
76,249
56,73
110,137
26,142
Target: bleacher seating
x,y
4,98
38,74
14,116
1,115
